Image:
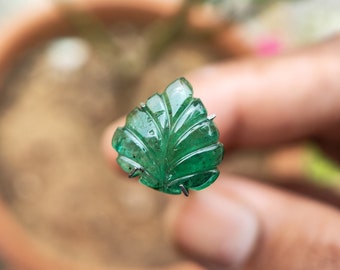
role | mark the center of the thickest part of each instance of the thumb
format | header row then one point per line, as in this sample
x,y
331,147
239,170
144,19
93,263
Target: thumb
x,y
237,223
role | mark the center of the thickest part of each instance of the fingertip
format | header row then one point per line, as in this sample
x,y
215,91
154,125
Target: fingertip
x,y
106,144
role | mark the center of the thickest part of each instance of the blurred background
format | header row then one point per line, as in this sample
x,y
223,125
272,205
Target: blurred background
x,y
58,96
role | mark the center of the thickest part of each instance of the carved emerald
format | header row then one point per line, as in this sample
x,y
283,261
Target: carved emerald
x,y
170,142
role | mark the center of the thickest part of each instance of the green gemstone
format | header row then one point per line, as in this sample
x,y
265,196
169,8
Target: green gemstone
x,y
170,142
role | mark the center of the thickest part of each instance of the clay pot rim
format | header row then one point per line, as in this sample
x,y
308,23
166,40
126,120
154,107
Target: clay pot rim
x,y
29,29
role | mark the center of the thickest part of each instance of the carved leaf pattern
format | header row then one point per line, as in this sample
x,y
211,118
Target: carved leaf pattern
x,y
170,142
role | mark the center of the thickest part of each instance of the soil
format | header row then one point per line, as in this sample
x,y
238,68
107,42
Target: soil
x,y
53,174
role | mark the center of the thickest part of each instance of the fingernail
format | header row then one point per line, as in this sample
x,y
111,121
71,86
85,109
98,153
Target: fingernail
x,y
216,229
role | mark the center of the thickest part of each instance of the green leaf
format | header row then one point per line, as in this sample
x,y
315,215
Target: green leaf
x,y
170,142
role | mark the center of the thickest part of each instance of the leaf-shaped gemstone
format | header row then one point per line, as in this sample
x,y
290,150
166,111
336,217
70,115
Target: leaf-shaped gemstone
x,y
170,142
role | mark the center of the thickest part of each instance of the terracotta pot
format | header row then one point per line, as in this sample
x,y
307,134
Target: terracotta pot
x,y
17,249
31,29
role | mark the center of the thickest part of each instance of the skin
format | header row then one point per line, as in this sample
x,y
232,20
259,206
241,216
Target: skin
x,y
239,223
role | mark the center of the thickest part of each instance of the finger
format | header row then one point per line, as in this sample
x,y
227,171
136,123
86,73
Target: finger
x,y
238,223
266,101
109,153
262,102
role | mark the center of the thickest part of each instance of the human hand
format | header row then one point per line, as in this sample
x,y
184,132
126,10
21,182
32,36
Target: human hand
x,y
238,223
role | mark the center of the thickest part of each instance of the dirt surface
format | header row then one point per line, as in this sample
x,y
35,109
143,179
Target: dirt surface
x,y
53,174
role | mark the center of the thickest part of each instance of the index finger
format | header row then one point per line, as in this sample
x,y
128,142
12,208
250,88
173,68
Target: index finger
x,y
266,101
